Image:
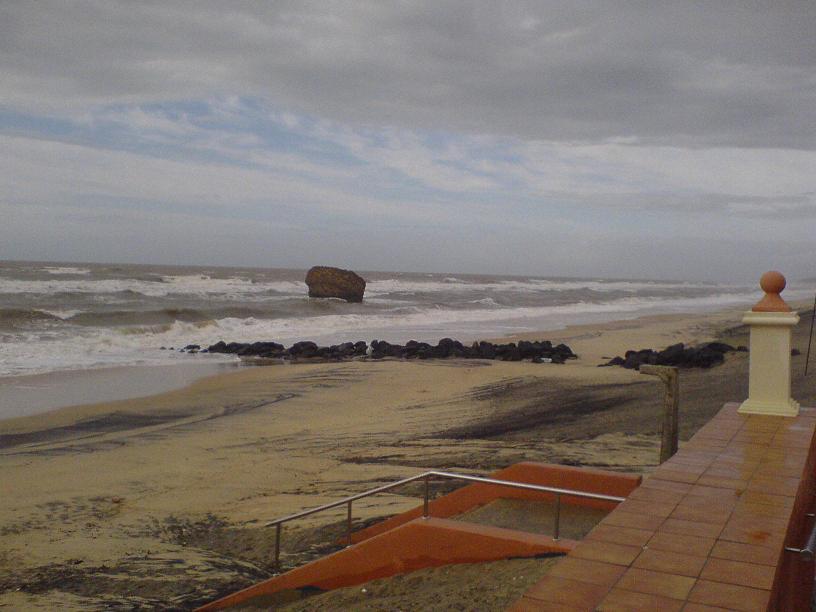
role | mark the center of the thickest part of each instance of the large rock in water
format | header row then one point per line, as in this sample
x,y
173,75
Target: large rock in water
x,y
324,282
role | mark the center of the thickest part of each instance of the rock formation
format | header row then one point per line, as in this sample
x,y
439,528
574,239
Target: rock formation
x,y
679,355
537,352
326,282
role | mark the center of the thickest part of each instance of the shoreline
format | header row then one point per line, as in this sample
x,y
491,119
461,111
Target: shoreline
x,y
117,383
80,390
54,391
594,343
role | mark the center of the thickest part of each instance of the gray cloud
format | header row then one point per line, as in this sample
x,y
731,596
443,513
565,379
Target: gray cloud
x,y
730,73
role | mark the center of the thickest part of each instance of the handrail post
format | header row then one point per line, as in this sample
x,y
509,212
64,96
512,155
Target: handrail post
x,y
671,378
425,512
557,526
277,547
348,523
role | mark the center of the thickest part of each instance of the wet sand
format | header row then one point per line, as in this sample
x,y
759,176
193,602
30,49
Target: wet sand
x,y
159,502
40,393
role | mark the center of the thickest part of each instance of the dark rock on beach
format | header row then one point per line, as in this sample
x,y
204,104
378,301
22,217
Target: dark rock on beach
x,y
678,355
538,351
327,282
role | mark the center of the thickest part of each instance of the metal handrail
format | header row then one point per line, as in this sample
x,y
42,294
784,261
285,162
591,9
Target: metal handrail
x,y
809,550
426,477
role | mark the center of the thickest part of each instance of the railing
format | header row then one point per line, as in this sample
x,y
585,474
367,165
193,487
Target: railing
x,y
808,551
427,477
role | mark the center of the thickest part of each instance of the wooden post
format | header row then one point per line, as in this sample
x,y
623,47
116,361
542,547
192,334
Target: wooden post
x,y
670,377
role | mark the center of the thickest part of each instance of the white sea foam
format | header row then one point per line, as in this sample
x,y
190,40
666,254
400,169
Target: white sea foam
x,y
395,285
96,347
65,270
169,285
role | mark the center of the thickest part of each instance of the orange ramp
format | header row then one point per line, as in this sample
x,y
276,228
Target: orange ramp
x,y
529,472
417,544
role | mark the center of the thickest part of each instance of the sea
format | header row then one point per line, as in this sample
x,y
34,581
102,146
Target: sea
x,y
58,317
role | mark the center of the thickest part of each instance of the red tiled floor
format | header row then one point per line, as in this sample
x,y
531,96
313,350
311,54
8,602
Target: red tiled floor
x,y
724,483
729,596
692,528
528,604
620,600
635,521
694,607
620,535
675,476
656,583
666,485
736,551
656,495
702,513
670,562
584,570
775,486
719,505
704,532
606,552
582,595
715,493
737,472
673,542
737,572
752,532
649,508
760,497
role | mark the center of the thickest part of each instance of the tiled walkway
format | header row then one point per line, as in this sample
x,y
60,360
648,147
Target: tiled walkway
x,y
704,532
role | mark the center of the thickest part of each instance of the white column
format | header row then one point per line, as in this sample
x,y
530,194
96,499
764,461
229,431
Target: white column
x,y
769,385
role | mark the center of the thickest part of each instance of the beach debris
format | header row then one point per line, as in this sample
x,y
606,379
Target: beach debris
x,y
328,282
538,351
678,355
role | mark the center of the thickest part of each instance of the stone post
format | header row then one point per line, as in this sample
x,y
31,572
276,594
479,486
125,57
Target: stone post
x,y
771,322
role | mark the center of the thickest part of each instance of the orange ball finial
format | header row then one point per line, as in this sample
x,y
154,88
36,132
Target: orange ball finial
x,y
772,283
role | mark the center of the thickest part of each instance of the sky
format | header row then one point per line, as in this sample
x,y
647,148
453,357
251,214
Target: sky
x,y
596,139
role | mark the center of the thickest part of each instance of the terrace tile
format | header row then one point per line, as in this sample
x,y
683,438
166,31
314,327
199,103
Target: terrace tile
x,y
671,562
564,592
621,600
635,521
738,572
753,553
620,535
649,508
606,552
692,528
678,543
656,583
584,570
695,607
729,596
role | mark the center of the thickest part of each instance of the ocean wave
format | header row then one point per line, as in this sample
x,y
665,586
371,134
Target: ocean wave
x,y
533,285
11,318
65,270
166,286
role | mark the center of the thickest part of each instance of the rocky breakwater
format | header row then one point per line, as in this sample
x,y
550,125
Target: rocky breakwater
x,y
327,282
537,351
678,355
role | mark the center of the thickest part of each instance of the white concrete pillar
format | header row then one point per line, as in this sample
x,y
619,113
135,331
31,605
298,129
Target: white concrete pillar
x,y
771,321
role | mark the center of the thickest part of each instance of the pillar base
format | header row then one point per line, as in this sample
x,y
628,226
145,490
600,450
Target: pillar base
x,y
789,408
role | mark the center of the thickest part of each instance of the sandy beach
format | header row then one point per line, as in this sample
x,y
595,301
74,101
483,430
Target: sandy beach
x,y
159,502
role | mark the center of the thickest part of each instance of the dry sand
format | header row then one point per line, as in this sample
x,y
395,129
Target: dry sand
x,y
159,502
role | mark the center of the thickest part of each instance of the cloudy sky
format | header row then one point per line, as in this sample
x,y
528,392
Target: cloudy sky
x,y
616,139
